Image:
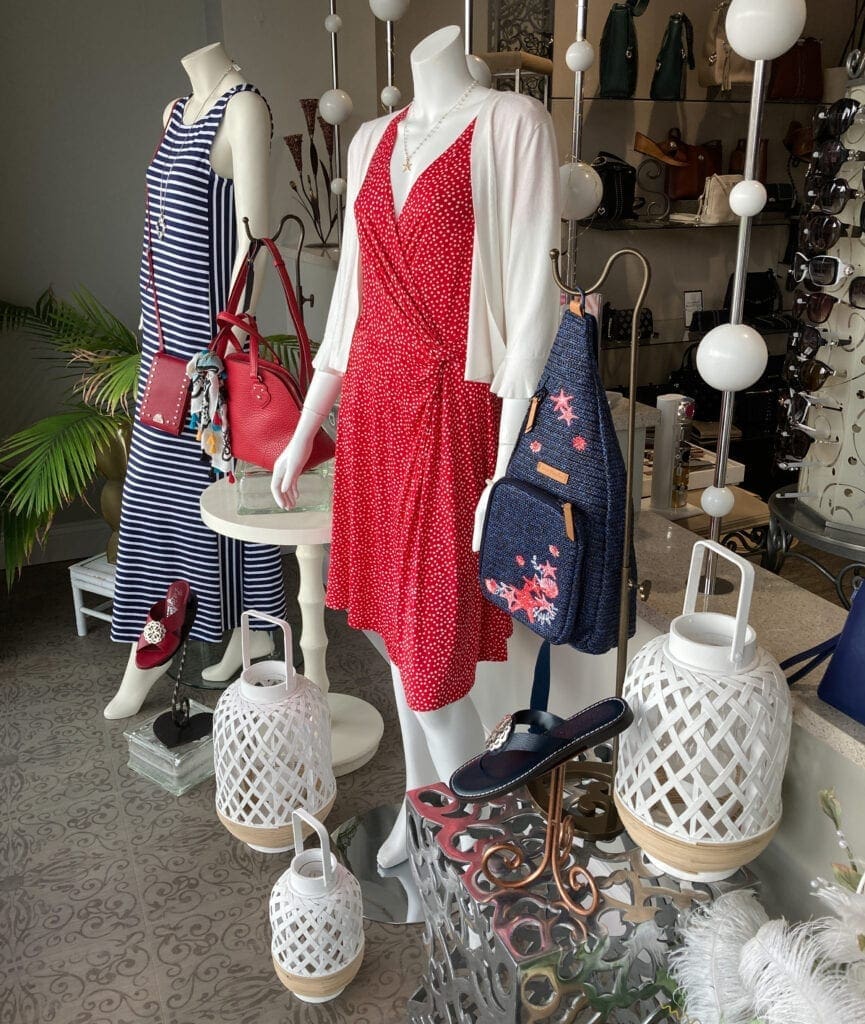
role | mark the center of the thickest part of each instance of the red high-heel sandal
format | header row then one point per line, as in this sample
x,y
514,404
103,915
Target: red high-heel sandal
x,y
168,624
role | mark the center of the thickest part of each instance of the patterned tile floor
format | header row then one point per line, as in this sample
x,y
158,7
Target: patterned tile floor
x,y
121,903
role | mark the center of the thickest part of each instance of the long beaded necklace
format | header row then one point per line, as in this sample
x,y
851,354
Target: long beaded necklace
x,y
161,227
410,156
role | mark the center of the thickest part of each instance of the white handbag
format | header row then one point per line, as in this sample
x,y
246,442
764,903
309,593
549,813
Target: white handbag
x,y
714,207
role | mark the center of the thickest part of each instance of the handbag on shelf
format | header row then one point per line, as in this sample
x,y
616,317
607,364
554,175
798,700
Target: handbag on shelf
x,y
798,73
714,205
616,325
705,320
687,180
762,294
843,683
264,398
720,67
551,552
687,381
676,54
799,140
618,64
781,198
737,159
619,181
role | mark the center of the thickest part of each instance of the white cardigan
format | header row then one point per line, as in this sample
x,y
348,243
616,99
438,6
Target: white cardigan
x,y
514,305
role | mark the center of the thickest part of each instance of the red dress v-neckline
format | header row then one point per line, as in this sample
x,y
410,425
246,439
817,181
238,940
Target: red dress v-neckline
x,y
416,441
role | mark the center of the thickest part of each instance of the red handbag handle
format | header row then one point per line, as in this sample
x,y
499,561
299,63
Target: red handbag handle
x,y
231,318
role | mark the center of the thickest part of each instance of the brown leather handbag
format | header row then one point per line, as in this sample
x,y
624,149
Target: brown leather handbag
x,y
737,159
687,181
798,73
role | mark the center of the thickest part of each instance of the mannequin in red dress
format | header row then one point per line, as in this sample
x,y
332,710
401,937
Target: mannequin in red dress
x,y
404,387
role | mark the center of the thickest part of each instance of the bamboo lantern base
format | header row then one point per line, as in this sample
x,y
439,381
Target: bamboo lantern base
x,y
319,990
693,861
279,839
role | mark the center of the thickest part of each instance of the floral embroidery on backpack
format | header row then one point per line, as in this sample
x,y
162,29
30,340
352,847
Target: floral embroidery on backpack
x,y
535,595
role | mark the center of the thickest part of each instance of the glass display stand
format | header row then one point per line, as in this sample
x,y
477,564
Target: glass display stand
x,y
315,490
498,956
175,769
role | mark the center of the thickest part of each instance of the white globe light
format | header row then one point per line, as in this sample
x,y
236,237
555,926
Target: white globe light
x,y
388,10
748,198
337,186
764,29
580,55
581,188
391,96
333,23
717,501
732,357
335,106
479,70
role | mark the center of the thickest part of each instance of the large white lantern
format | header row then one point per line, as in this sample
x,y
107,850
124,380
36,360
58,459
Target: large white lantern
x,y
698,783
316,913
271,749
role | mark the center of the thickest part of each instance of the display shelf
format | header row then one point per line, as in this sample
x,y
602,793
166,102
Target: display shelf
x,y
637,224
705,102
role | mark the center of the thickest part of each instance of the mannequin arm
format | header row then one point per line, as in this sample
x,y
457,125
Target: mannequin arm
x,y
513,416
323,391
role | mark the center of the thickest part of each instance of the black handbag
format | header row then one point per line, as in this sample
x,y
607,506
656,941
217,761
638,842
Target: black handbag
x,y
762,294
616,325
705,320
687,381
619,50
677,52
619,180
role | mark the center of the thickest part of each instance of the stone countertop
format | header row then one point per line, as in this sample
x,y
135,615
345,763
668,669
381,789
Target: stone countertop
x,y
787,620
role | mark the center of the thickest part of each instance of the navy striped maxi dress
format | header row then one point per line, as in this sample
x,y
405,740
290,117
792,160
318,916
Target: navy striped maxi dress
x,y
162,537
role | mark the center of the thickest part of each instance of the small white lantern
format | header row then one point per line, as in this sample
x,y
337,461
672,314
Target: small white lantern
x,y
698,783
316,913
271,749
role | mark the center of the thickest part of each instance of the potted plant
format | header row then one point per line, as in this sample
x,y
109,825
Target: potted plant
x,y
55,460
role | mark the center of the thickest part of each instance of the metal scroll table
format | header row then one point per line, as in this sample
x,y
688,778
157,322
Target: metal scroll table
x,y
790,520
356,726
501,957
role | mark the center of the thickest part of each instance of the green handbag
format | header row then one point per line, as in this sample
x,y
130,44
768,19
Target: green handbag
x,y
677,48
619,50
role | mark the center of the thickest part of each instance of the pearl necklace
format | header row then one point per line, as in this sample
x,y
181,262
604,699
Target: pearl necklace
x,y
161,227
410,156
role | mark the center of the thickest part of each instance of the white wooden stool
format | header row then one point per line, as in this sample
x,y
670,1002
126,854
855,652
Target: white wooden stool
x,y
95,575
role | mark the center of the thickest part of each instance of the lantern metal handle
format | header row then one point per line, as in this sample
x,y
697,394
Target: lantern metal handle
x,y
746,588
245,640
299,816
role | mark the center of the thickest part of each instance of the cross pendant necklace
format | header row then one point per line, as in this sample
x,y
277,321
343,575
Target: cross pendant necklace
x,y
406,165
408,156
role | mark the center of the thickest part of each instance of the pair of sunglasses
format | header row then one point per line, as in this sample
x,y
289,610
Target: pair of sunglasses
x,y
816,307
831,155
822,271
808,374
820,231
832,121
832,194
806,342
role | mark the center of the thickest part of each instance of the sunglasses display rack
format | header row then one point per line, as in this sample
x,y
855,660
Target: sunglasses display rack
x,y
827,401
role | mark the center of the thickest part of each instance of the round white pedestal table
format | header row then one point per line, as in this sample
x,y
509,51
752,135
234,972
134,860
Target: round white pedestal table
x,y
356,726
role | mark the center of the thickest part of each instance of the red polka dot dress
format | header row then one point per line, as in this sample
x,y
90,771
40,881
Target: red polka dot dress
x,y
416,441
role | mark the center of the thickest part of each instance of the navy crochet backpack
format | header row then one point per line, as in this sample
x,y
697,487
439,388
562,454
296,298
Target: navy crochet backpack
x,y
551,553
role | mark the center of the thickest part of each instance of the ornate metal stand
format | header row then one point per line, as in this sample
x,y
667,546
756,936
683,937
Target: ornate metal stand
x,y
502,955
559,838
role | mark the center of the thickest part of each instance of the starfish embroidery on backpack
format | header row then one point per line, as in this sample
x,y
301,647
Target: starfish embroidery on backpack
x,y
562,406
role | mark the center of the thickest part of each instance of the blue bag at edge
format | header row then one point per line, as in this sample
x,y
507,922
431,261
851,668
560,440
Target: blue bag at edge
x,y
843,683
551,553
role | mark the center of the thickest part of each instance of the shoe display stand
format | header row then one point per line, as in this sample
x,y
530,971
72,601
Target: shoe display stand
x,y
498,956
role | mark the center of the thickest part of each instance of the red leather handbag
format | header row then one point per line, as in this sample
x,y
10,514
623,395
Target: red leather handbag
x,y
264,398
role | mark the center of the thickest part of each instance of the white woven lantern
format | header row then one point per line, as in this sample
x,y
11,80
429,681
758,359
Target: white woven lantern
x,y
316,913
271,749
698,783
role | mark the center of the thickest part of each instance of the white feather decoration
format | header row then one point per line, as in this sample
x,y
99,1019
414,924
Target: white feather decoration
x,y
706,967
842,940
783,967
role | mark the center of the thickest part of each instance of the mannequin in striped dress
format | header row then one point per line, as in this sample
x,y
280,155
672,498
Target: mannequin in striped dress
x,y
208,173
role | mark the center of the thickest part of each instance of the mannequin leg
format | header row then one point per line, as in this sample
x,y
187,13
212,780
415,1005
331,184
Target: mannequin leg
x,y
134,688
260,645
419,771
436,743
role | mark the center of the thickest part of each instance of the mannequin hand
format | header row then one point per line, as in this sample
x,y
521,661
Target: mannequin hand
x,y
288,467
480,516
